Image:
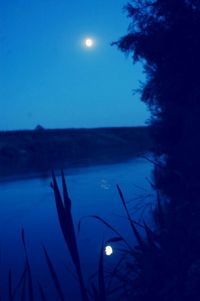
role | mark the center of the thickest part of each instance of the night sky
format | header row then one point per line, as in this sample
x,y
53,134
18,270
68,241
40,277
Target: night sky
x,y
48,76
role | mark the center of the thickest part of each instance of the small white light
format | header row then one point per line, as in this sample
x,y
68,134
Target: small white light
x,y
89,42
108,250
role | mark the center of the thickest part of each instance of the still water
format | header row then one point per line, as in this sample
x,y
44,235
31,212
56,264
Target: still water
x,y
30,204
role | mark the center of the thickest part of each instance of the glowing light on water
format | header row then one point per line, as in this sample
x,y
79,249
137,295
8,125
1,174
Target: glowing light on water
x,y
108,250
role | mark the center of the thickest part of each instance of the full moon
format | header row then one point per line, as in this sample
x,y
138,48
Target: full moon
x,y
89,42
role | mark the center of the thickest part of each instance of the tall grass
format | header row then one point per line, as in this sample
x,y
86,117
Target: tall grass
x,y
63,205
136,260
152,267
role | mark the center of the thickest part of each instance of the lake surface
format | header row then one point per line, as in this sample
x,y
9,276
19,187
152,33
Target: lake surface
x,y
30,204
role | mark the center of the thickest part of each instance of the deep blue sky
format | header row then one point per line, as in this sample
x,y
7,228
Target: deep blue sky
x,y
47,77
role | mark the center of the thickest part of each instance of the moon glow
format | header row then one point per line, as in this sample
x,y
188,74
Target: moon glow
x,y
89,42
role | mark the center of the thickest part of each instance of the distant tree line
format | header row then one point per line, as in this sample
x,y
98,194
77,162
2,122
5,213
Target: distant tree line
x,y
41,150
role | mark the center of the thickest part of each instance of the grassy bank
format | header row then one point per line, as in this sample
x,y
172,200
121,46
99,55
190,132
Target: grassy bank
x,y
40,150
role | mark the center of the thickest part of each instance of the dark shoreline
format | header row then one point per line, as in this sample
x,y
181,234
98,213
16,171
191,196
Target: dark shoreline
x,y
24,153
67,171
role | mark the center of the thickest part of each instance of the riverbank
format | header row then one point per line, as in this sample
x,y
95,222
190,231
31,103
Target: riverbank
x,y
37,152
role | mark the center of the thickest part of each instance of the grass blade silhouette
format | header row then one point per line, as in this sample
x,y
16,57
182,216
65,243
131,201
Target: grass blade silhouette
x,y
134,229
54,276
109,226
29,276
67,227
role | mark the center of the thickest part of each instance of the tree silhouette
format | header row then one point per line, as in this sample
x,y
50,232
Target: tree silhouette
x,y
164,35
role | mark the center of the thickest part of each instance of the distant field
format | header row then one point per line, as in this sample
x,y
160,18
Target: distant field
x,y
39,151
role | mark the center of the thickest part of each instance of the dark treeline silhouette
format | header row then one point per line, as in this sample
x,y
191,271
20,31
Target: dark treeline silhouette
x,y
38,151
165,36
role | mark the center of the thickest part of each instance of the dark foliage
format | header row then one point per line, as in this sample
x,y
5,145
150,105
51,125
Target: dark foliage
x,y
164,35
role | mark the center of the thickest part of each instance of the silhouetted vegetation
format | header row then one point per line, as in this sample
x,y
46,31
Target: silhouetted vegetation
x,y
38,151
164,35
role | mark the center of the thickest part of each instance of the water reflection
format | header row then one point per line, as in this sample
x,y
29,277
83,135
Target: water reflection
x,y
104,184
108,250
